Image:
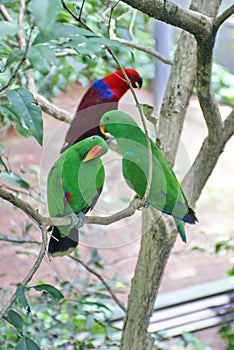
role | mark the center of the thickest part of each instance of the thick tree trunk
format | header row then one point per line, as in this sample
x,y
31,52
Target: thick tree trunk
x,y
158,237
156,243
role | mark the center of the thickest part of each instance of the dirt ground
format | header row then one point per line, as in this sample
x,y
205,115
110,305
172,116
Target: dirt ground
x,y
119,243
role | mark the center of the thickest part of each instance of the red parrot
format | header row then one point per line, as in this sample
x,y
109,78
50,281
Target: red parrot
x,y
103,95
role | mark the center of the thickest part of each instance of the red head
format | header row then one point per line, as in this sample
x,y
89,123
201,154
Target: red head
x,y
118,83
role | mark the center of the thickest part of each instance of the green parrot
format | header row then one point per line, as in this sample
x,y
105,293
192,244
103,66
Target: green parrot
x,y
165,193
74,185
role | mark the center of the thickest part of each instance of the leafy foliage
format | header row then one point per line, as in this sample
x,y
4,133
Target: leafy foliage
x,y
60,51
76,322
222,82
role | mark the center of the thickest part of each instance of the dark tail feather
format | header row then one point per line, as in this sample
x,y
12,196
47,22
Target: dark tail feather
x,y
190,217
59,246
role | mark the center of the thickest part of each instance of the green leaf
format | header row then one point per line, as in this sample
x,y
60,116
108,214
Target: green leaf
x,y
62,31
42,58
27,344
45,13
8,28
15,319
54,293
31,115
15,56
20,295
14,180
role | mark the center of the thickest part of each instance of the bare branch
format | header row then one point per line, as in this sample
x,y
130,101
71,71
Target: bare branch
x,y
228,129
206,160
110,17
66,220
93,272
18,241
219,20
30,274
5,13
147,50
193,22
53,110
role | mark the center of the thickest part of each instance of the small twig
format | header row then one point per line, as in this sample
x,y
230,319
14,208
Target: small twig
x,y
224,16
132,23
5,13
30,274
81,9
147,50
93,272
18,241
21,62
77,18
110,17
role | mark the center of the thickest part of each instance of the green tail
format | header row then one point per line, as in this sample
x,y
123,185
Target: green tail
x,y
180,228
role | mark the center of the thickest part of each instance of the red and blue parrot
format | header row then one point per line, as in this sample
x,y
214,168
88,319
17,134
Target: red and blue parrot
x,y
103,95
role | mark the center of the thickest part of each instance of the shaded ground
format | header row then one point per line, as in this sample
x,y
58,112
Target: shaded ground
x,y
119,243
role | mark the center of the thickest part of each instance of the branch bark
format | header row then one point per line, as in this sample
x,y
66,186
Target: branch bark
x,y
150,265
147,50
157,241
196,178
177,96
53,110
66,220
194,22
224,16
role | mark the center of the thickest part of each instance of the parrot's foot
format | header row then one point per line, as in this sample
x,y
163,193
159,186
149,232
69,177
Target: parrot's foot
x,y
77,220
146,204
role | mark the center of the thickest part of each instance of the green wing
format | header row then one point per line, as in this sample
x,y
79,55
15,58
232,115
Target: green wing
x,y
55,193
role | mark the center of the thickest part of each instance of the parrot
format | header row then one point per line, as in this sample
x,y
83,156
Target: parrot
x,y
165,194
74,185
103,95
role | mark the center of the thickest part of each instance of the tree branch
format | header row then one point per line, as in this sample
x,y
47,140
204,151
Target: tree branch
x,y
159,235
66,220
212,146
30,274
18,241
147,50
219,20
177,95
196,178
228,129
93,272
193,22
53,110
5,13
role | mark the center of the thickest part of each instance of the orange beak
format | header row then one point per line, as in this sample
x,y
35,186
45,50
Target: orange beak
x,y
102,128
93,153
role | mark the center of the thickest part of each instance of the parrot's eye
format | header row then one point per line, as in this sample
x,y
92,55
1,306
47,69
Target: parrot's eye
x,y
107,119
132,77
93,138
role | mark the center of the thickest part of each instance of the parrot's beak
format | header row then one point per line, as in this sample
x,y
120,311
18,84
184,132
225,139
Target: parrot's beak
x,y
94,152
103,129
138,83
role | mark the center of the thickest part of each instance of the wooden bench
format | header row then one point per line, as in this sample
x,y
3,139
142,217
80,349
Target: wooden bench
x,y
190,309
